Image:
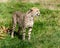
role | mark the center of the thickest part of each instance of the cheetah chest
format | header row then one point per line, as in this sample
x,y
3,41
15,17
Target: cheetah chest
x,y
29,22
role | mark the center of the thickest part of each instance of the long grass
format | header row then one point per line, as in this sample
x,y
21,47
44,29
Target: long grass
x,y
46,30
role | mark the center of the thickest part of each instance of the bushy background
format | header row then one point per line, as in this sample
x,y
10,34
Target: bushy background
x,y
46,30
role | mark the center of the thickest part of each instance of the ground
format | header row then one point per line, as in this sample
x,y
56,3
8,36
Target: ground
x,y
46,30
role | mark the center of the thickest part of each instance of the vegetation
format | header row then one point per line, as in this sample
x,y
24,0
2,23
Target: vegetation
x,y
46,30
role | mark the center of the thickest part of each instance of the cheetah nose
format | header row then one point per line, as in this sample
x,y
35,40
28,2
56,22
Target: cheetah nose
x,y
38,14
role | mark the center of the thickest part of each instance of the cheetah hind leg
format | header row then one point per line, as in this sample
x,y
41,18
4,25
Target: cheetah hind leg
x,y
24,33
19,30
12,34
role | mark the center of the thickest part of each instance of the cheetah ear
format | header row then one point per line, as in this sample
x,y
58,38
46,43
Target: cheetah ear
x,y
30,10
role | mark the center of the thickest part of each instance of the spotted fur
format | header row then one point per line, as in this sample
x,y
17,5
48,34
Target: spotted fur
x,y
24,21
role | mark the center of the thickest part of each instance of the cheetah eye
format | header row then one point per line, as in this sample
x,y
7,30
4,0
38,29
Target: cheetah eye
x,y
36,11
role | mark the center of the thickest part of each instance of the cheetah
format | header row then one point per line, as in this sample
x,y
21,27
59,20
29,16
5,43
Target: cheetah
x,y
24,20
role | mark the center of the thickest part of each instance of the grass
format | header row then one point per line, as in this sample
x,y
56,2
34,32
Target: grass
x,y
46,30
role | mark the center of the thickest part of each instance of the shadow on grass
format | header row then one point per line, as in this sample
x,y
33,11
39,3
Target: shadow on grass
x,y
16,34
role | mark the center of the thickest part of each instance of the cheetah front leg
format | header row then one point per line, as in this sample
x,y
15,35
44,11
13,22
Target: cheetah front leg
x,y
29,33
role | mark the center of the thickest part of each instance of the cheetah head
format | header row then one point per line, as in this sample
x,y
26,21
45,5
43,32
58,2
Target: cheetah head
x,y
35,11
